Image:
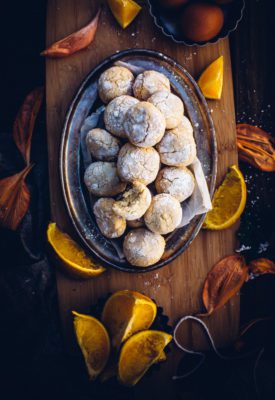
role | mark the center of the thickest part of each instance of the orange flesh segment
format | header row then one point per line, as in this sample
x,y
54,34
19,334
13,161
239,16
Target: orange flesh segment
x,y
127,312
93,341
228,202
211,80
139,353
125,11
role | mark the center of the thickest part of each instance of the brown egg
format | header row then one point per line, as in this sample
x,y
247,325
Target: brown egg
x,y
172,3
201,21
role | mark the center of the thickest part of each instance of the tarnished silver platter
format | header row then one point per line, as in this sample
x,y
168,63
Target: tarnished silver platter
x,y
71,163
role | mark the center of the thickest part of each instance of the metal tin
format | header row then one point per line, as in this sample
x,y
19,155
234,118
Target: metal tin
x,y
168,22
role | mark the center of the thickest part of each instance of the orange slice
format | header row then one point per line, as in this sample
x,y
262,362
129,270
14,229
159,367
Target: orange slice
x,y
127,312
140,352
211,80
110,370
93,341
74,259
228,202
124,11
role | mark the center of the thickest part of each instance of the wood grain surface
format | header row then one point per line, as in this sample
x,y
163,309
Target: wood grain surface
x,y
176,287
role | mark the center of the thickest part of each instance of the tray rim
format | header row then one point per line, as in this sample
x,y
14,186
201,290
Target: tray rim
x,y
112,58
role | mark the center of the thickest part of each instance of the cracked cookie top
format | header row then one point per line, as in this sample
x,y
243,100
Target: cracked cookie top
x,y
144,124
149,82
102,145
101,179
177,148
110,224
138,164
177,181
169,105
114,82
164,214
115,113
143,248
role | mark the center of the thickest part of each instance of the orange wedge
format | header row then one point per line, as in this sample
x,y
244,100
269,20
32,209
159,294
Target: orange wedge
x,y
228,202
110,370
93,341
127,312
124,11
74,259
140,352
211,80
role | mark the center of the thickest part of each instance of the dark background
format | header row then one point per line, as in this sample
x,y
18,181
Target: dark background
x,y
33,361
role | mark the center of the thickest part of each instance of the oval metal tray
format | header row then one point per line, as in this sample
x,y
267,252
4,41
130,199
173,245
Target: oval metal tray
x,y
71,163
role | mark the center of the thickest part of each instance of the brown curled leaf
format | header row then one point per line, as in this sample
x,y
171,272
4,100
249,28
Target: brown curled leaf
x,y
223,281
25,120
75,41
255,146
262,266
14,199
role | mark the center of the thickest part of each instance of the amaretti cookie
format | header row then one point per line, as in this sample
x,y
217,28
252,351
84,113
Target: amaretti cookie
x,y
149,82
102,145
138,164
177,181
115,113
144,124
114,82
101,179
143,248
164,214
170,106
177,148
110,224
134,202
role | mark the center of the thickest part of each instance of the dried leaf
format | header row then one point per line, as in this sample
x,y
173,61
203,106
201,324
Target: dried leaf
x,y
25,120
14,199
223,281
74,42
262,266
255,146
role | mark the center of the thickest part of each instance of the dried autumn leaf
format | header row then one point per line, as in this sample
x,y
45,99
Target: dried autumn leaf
x,y
255,146
74,42
25,120
14,199
223,281
262,266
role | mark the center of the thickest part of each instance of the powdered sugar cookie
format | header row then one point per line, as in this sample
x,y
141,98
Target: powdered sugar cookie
x,y
110,224
177,181
169,105
138,164
144,124
149,82
164,214
115,113
143,248
114,82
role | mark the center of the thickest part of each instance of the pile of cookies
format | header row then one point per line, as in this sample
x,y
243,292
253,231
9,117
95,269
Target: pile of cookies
x,y
147,140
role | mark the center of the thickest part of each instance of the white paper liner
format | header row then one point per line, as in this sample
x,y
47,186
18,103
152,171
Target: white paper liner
x,y
200,201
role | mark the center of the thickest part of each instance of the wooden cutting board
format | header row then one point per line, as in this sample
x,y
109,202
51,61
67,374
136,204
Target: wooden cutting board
x,y
177,287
